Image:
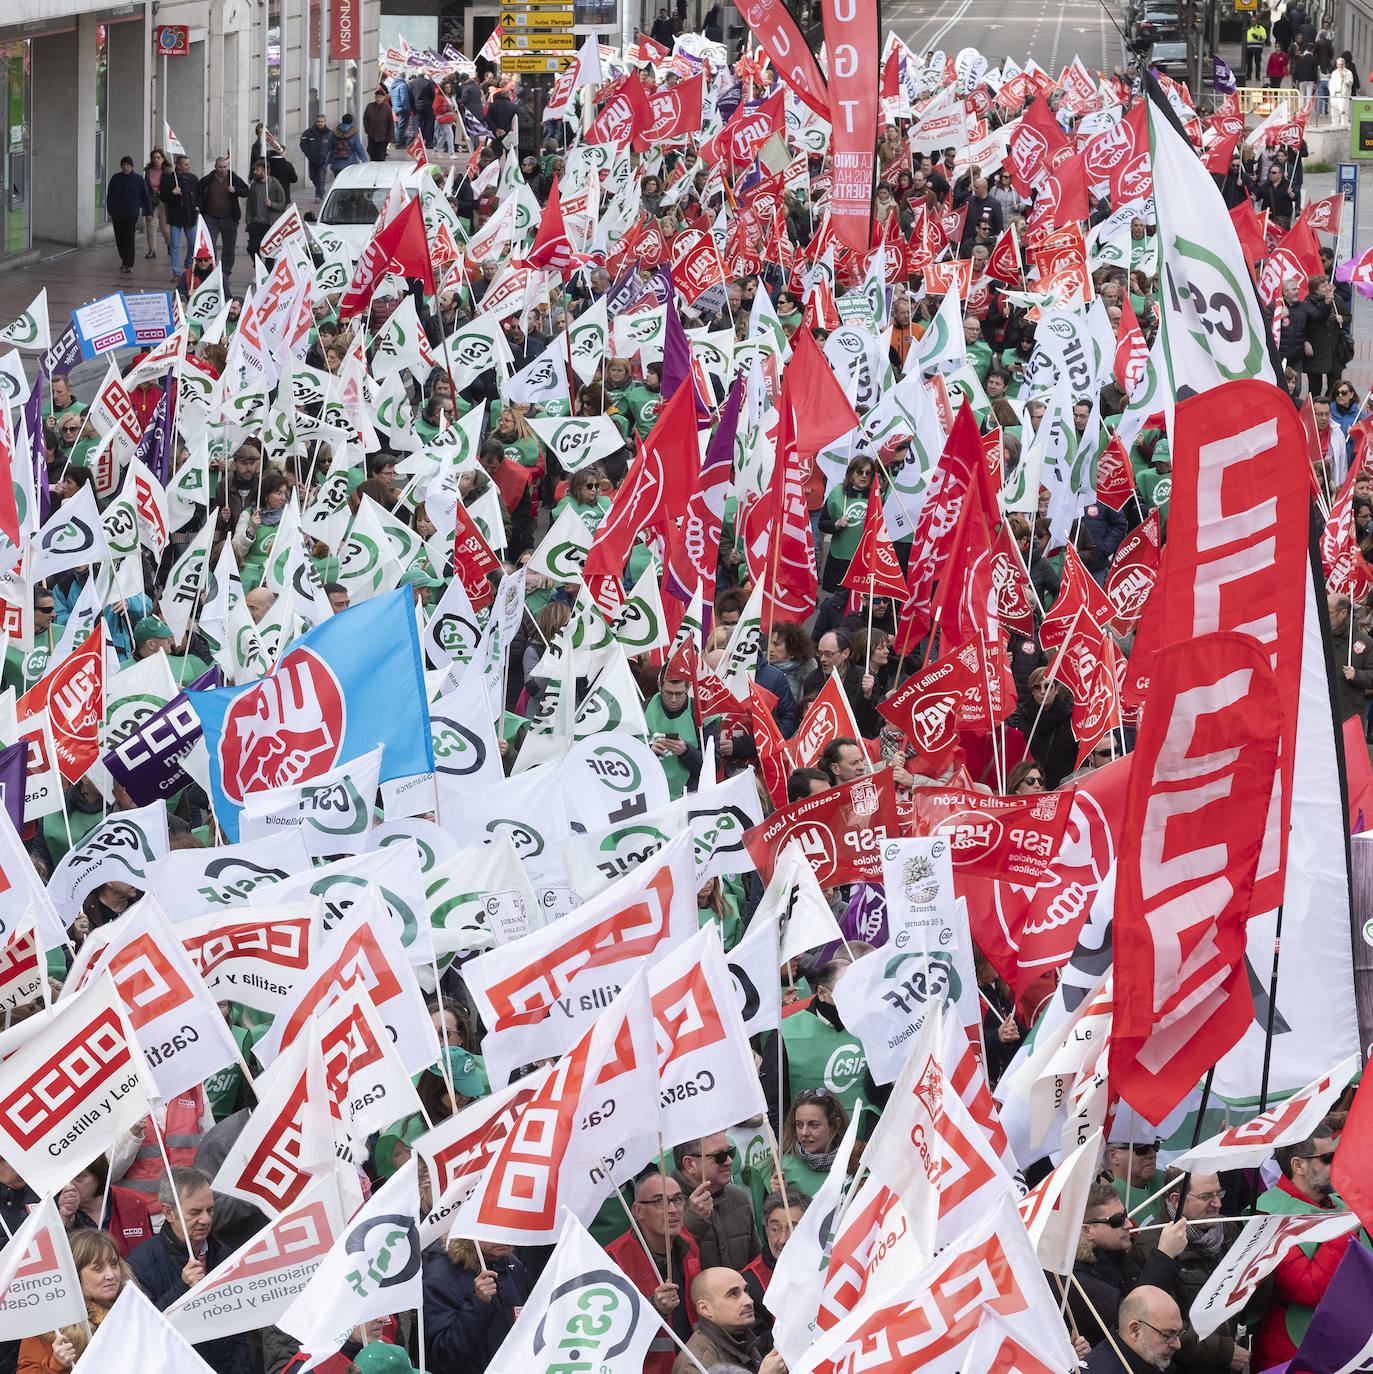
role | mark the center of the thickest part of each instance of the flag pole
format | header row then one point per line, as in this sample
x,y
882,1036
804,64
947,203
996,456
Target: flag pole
x,y
634,1225
176,1192
1272,1006
667,1243
777,1164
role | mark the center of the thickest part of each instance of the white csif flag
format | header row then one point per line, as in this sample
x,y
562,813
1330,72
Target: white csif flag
x,y
584,1313
372,1270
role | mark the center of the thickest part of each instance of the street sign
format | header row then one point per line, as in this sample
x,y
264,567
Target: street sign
x,y
172,40
535,62
537,20
1246,6
1347,185
515,42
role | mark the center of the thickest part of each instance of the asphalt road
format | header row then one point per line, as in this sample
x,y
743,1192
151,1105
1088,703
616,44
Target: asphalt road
x,y
1050,31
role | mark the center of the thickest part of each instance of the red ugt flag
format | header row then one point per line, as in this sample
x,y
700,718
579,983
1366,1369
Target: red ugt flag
x,y
1195,816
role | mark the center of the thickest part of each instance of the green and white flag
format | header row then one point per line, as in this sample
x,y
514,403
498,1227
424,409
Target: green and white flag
x,y
120,520
189,577
577,441
476,348
467,751
1212,327
745,644
481,898
612,703
374,1269
562,552
641,332
639,626
279,626
71,538
587,339
289,573
942,343
119,850
540,382
227,626
400,343
332,812
453,630
207,300
30,331
189,491
367,563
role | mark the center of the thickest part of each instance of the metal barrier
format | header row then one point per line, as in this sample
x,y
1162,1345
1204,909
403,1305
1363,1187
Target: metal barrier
x,y
1262,101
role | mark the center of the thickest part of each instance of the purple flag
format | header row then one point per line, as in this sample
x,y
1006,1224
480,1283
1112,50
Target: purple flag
x,y
627,291
1340,1337
149,762
33,427
865,917
14,776
155,445
1222,78
475,128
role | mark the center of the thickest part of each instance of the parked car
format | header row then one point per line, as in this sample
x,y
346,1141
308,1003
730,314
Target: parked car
x,y
1170,59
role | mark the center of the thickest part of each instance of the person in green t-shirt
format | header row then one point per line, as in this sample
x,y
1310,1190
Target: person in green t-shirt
x,y
22,669
811,1136
978,350
642,401
585,497
1155,484
61,400
673,736
520,442
842,519
714,904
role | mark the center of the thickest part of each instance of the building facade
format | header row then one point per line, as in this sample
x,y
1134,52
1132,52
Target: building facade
x,y
85,84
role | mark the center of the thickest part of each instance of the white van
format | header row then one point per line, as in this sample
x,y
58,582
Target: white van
x,y
353,202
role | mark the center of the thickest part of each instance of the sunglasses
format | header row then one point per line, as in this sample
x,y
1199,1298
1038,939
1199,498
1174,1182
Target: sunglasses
x,y
1149,1149
1327,1158
719,1156
1115,1221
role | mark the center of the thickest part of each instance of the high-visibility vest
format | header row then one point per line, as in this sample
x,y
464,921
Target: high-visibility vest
x,y
181,1136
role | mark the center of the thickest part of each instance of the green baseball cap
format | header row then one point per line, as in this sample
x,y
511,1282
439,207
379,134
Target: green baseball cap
x,y
419,577
380,1357
150,627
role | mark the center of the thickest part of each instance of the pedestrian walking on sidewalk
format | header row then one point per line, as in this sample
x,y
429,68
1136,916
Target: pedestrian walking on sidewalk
x,y
127,201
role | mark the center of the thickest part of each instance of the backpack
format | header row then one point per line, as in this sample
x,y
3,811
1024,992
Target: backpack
x,y
343,149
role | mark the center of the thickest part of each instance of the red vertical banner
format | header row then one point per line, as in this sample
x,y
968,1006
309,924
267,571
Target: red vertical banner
x,y
852,40
345,24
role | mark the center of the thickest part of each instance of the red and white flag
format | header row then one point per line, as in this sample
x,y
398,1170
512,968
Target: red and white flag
x,y
71,1089
254,955
457,1151
1248,1144
955,1174
289,1135
874,570
1132,353
135,1333
1052,1210
40,1289
184,1037
538,994
599,1104
1259,1250
363,947
1203,770
705,1063
1133,574
257,1283
930,1321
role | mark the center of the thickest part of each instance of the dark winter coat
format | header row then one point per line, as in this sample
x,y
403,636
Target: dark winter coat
x,y
157,1265
461,1332
126,197
1321,328
183,209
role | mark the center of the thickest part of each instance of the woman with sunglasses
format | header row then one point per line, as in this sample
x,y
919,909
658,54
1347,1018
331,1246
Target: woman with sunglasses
x,y
811,1136
842,519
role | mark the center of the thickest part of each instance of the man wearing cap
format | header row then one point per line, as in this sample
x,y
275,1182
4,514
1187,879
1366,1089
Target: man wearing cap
x,y
422,583
153,636
379,125
380,1357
